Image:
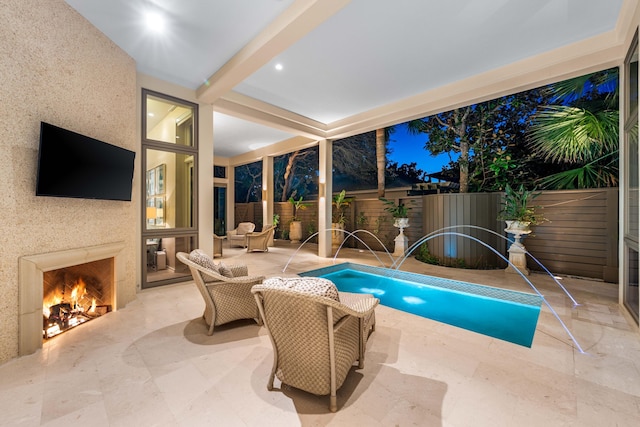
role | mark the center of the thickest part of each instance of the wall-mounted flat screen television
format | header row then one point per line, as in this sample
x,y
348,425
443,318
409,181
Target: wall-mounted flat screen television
x,y
74,165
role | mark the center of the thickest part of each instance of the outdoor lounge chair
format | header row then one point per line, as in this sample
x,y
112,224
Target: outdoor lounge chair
x,y
260,241
226,298
316,339
238,236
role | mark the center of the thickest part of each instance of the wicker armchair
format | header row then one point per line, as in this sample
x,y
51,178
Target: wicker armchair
x,y
315,339
226,298
238,236
260,241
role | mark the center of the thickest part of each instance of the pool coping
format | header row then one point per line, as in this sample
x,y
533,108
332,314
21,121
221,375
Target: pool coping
x,y
486,291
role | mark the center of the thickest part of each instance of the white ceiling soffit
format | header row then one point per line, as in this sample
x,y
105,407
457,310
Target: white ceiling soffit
x,y
372,53
239,136
341,59
199,38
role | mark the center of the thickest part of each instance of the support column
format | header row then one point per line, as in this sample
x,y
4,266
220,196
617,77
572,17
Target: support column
x,y
267,193
325,191
231,198
205,178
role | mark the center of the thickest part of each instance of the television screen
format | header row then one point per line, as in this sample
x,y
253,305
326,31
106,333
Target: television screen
x,y
74,165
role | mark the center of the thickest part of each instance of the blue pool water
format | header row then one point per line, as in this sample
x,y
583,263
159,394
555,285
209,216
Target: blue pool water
x,y
507,315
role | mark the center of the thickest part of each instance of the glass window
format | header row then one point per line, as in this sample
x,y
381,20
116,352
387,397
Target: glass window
x,y
219,210
632,82
219,172
169,120
162,264
169,190
169,187
631,294
631,187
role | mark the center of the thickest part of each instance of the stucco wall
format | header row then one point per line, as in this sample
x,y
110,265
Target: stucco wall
x,y
56,67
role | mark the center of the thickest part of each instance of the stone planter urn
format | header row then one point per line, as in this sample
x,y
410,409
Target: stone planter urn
x,y
295,231
337,234
517,251
402,242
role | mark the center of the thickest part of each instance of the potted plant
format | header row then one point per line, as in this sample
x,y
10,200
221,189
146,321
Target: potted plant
x,y
295,227
276,221
399,211
516,209
340,203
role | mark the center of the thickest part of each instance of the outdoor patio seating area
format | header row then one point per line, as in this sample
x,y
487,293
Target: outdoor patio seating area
x,y
152,363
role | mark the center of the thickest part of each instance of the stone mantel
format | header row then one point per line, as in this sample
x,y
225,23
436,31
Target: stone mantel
x,y
31,271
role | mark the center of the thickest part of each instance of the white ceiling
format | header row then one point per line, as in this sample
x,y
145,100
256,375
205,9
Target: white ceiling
x,y
341,58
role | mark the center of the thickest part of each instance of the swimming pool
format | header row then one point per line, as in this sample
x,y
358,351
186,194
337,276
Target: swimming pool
x,y
504,314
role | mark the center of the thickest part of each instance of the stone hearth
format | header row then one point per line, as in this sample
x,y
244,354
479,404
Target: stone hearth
x,y
32,269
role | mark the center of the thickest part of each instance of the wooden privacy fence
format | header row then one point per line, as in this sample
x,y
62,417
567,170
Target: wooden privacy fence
x,y
453,210
580,238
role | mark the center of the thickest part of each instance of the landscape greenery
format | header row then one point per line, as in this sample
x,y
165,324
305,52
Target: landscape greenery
x,y
561,136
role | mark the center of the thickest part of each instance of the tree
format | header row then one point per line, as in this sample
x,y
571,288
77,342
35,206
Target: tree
x,y
354,165
483,135
381,159
248,182
355,160
295,173
408,172
579,132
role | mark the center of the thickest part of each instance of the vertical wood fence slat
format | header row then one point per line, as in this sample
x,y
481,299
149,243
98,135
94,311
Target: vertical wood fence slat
x,y
580,239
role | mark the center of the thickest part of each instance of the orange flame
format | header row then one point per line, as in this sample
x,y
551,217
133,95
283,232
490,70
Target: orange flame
x,y
78,291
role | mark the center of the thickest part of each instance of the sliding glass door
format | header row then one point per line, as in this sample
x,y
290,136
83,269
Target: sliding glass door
x,y
630,295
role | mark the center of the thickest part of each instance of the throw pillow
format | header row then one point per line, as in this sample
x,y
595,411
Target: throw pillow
x,y
224,270
204,260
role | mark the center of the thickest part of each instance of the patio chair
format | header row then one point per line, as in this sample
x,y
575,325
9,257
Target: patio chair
x,y
317,333
226,298
238,237
260,241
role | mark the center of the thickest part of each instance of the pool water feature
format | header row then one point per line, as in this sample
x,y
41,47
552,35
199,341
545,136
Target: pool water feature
x,y
499,313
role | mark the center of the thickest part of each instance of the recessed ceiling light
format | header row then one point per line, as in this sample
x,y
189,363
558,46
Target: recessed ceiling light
x,y
155,21
151,114
279,66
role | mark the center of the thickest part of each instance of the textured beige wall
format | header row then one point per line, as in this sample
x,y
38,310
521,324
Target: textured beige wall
x,y
58,68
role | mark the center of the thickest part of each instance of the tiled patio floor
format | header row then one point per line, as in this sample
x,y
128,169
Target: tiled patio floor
x,y
152,364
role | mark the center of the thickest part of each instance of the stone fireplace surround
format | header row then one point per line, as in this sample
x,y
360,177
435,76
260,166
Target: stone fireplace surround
x,y
30,289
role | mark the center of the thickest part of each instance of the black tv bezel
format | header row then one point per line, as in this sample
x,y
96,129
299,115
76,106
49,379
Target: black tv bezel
x,y
50,136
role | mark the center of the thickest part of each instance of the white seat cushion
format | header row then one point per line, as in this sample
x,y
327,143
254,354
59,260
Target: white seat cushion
x,y
310,285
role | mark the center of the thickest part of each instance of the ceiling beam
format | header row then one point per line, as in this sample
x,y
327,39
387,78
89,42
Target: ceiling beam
x,y
297,21
251,109
277,149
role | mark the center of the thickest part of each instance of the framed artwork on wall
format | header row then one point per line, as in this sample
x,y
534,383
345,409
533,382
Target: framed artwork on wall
x,y
156,196
151,182
160,172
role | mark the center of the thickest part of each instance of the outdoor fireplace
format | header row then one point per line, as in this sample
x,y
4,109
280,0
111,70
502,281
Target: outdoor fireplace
x,y
74,295
65,283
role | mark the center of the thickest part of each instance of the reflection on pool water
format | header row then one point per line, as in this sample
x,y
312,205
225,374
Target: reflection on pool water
x,y
508,315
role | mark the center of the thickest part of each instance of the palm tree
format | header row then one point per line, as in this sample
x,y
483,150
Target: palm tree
x,y
580,132
381,158
383,136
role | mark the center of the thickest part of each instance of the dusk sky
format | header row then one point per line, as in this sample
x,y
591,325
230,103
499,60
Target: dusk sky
x,y
407,148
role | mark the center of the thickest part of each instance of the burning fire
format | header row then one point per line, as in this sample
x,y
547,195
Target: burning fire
x,y
61,313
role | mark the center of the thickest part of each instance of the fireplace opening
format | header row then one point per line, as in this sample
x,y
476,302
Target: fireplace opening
x,y
76,294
